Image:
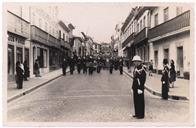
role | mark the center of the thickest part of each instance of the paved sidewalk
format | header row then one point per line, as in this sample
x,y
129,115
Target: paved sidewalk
x,y
153,85
32,84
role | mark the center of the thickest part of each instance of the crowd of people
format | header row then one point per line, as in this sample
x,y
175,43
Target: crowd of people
x,y
90,64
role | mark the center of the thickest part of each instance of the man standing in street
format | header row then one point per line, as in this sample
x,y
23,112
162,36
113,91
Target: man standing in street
x,y
139,78
111,64
121,65
64,66
72,65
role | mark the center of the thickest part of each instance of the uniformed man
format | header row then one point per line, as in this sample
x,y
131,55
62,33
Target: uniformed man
x,y
79,65
139,78
64,66
72,65
111,65
121,65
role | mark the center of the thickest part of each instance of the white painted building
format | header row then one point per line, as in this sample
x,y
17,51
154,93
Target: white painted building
x,y
169,37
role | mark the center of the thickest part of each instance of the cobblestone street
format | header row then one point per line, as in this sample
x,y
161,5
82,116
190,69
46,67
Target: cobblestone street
x,y
97,98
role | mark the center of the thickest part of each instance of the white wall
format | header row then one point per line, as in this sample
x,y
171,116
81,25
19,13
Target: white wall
x,y
172,44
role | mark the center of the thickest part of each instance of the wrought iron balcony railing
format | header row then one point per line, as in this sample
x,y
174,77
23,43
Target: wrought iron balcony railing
x,y
39,35
141,35
130,38
172,25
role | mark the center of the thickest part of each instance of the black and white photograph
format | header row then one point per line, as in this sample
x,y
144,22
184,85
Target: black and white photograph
x,y
98,64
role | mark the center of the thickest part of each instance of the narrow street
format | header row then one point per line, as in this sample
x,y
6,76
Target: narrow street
x,y
97,98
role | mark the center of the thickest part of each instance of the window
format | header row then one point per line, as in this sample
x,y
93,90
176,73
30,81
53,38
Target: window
x,y
42,57
63,36
40,23
59,34
178,11
144,20
156,20
140,25
46,27
166,14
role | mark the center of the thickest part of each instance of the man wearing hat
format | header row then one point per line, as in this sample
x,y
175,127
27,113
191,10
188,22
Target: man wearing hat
x,y
139,78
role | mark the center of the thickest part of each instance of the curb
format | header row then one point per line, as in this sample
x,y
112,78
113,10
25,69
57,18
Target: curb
x,y
174,97
32,89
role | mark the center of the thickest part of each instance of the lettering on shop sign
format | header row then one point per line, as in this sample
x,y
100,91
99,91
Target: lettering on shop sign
x,y
13,39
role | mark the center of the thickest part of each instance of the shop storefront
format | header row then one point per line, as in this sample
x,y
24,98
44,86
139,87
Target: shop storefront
x,y
16,52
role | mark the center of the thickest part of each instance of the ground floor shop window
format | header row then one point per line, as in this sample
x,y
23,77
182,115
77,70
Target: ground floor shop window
x,y
19,54
42,57
10,60
27,55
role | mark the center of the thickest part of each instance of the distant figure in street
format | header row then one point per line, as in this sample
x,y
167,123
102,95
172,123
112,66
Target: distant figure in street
x,y
79,65
116,63
150,68
91,65
172,73
99,64
64,66
165,79
139,79
84,65
26,70
72,65
111,65
19,75
37,68
121,65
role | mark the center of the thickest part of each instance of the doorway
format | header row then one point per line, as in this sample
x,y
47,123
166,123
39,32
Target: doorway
x,y
180,60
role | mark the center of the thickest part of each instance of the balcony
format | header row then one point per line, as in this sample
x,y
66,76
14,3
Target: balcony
x,y
54,42
17,25
169,26
65,44
130,38
39,35
142,35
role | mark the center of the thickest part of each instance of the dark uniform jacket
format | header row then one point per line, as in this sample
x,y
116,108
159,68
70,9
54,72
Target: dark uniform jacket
x,y
139,78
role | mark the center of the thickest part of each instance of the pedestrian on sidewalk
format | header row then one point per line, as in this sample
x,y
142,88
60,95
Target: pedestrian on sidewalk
x,y
64,66
19,75
37,68
139,79
165,79
150,68
26,70
172,73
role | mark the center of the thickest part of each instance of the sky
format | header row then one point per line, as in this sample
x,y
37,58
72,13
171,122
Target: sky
x,y
97,20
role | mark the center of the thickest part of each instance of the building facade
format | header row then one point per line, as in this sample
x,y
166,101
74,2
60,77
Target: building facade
x,y
64,38
33,33
155,33
18,34
169,37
